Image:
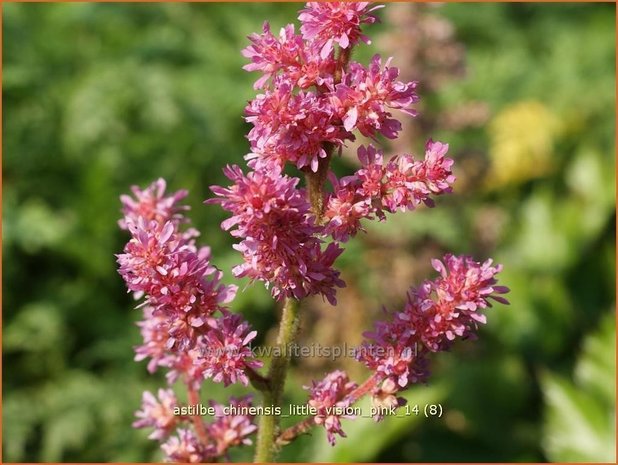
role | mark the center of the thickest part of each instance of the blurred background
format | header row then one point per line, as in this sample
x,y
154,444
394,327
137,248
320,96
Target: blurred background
x,y
98,97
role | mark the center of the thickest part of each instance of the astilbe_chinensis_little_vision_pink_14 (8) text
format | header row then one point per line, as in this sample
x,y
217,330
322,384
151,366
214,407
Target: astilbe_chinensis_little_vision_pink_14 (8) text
x,y
312,100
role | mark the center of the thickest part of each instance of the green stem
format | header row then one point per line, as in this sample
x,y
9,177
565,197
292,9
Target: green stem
x,y
269,424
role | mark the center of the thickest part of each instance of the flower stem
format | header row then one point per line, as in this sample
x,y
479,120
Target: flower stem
x,y
200,430
364,388
265,448
315,184
291,433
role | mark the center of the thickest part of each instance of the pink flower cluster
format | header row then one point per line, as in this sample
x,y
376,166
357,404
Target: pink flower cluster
x,y
436,313
186,447
186,328
365,94
306,60
328,397
280,245
152,204
226,353
314,100
224,432
315,97
222,353
158,414
402,184
327,23
232,430
289,127
183,293
164,264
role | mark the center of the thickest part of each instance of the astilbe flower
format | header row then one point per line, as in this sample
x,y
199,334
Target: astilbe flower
x,y
226,352
222,353
189,365
233,429
384,398
410,183
365,95
158,413
449,306
182,289
435,314
294,124
328,396
279,245
346,208
393,352
185,328
270,54
222,433
186,447
152,204
177,279
183,292
327,23
209,360
292,127
313,101
155,334
402,184
287,55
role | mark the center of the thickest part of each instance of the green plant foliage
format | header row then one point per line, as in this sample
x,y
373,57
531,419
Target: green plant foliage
x,y
580,416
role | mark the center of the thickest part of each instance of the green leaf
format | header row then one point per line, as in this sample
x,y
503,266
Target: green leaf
x,y
577,428
580,416
597,367
40,322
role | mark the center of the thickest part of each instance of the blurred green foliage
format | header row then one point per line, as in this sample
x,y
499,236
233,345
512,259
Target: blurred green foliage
x,y
98,97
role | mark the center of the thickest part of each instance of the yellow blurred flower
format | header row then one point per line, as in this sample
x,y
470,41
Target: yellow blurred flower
x,y
522,138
